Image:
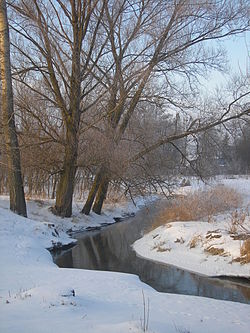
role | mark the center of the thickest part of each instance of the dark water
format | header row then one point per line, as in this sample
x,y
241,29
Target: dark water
x,y
110,250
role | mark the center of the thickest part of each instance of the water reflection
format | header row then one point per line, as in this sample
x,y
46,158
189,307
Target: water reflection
x,y
110,249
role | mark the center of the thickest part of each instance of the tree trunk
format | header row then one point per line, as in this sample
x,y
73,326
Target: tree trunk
x,y
92,193
15,182
54,183
65,189
101,196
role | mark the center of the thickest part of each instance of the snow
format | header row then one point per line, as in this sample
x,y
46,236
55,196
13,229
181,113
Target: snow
x,y
169,243
37,296
38,210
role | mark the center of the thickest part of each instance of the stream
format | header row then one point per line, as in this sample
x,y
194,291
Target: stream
x,y
110,249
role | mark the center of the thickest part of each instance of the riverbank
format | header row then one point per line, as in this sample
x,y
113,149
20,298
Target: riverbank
x,y
214,246
36,296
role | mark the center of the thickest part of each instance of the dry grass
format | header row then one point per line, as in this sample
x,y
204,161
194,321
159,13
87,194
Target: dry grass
x,y
180,240
161,247
213,234
245,251
238,218
195,241
200,204
114,197
214,251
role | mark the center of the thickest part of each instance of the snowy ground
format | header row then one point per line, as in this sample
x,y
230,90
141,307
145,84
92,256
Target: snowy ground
x,y
192,245
37,296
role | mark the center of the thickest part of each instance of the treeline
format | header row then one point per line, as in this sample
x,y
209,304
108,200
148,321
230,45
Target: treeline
x,y
106,93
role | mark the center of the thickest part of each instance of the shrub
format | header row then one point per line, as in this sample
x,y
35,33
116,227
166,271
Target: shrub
x,y
196,239
215,251
200,204
245,251
237,222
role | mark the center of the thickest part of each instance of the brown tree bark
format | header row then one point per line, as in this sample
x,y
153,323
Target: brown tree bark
x,y
126,84
93,191
15,182
101,196
116,106
65,188
65,42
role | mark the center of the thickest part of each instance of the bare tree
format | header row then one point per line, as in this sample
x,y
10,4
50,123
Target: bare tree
x,y
166,42
92,66
17,200
243,148
58,40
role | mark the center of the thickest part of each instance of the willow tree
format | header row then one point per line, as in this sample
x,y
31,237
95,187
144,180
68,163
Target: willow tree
x,y
57,46
172,42
16,191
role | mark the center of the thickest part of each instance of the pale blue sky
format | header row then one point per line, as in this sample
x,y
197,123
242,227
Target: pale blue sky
x,y
238,53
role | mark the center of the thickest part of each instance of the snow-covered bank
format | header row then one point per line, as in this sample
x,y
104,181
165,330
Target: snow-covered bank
x,y
173,245
206,247
37,296
39,210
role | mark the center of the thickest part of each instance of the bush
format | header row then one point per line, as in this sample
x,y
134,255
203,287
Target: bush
x,y
236,225
245,251
200,204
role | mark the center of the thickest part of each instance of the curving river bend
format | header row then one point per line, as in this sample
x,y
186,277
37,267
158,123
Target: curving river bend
x,y
110,249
